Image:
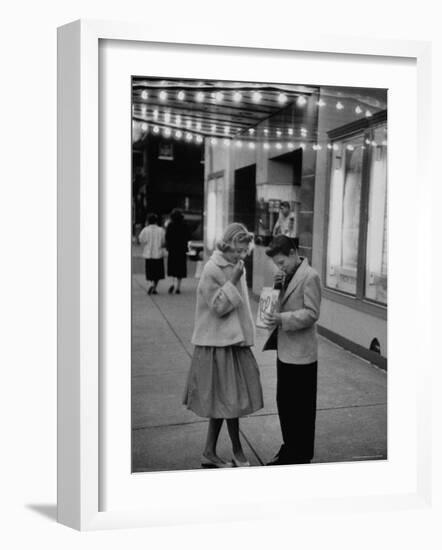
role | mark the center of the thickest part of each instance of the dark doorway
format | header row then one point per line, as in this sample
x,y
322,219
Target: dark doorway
x,y
245,205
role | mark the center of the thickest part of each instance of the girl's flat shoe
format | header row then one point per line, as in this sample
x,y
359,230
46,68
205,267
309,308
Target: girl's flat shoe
x,y
171,289
209,463
239,464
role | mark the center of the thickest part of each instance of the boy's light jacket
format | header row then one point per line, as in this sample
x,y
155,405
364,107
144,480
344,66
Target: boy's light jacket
x,y
296,339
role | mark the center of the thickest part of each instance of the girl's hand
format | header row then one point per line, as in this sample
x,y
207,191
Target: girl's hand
x,y
237,271
272,319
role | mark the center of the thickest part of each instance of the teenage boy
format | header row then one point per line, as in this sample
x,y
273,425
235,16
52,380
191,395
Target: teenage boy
x,y
293,335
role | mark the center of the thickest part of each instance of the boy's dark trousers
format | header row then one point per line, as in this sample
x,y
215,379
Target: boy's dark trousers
x,y
296,400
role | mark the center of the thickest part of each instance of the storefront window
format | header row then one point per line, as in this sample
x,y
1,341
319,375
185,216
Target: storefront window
x,y
377,237
344,214
358,222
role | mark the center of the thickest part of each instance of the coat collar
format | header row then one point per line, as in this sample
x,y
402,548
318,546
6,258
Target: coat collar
x,y
218,258
296,279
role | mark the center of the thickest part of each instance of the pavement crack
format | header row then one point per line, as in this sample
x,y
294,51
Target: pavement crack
x,y
258,458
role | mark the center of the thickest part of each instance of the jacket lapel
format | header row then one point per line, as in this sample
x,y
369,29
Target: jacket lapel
x,y
297,278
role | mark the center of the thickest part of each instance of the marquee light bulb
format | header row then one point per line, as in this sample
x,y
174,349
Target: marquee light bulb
x,y
181,95
199,97
237,97
301,101
256,97
339,106
282,98
144,94
163,95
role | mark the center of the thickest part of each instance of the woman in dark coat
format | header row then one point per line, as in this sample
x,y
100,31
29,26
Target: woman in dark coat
x,y
177,237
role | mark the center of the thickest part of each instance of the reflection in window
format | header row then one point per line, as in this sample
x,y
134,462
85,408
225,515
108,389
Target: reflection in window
x,y
344,215
377,234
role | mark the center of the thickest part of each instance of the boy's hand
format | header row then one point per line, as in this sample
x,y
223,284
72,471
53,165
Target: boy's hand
x,y
272,319
278,278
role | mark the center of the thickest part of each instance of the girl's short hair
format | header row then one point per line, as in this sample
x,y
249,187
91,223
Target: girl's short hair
x,y
152,219
234,234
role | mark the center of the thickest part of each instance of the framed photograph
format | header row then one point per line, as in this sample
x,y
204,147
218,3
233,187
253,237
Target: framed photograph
x,y
197,181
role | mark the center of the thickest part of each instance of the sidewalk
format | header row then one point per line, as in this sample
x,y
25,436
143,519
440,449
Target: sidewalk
x,y
352,394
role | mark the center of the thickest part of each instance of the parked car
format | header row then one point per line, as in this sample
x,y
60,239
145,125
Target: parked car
x,y
195,251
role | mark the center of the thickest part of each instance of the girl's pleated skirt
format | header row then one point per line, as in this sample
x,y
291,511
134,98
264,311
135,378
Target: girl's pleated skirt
x,y
223,382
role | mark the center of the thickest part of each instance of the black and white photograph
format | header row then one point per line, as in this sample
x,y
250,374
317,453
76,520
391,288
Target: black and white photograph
x,y
259,274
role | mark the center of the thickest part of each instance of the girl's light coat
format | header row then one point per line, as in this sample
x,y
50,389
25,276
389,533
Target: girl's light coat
x,y
222,315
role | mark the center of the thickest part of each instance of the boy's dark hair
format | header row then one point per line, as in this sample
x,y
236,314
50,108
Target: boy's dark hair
x,y
284,203
281,244
152,219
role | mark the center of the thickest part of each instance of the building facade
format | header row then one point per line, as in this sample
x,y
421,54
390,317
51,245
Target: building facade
x,y
327,157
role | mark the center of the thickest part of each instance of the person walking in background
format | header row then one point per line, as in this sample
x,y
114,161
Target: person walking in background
x,y
153,238
293,335
285,224
223,380
177,237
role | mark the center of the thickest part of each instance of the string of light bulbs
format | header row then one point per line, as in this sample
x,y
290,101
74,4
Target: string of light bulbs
x,y
256,96
240,142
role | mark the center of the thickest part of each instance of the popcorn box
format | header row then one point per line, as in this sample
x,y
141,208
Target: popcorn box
x,y
268,303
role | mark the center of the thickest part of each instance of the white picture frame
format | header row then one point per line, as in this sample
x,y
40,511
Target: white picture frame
x,y
80,293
